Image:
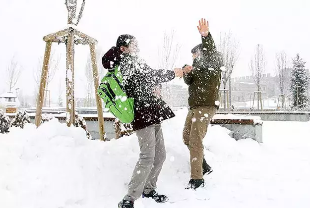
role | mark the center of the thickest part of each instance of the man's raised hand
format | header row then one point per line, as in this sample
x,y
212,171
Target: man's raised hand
x,y
203,27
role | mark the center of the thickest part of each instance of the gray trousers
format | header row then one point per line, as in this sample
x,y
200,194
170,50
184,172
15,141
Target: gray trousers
x,y
149,165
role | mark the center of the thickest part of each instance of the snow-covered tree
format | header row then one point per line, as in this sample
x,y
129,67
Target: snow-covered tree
x,y
89,83
283,74
4,122
229,49
80,122
257,66
60,92
20,119
299,84
46,118
122,129
13,73
168,54
52,69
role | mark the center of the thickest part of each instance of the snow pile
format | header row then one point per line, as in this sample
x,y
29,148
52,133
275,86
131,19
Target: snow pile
x,y
58,167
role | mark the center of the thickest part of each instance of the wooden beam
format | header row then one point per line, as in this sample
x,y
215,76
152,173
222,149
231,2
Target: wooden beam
x,y
83,41
53,37
70,80
43,83
82,35
96,85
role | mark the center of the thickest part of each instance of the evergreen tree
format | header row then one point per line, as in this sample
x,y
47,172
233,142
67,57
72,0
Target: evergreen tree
x,y
20,119
5,123
299,84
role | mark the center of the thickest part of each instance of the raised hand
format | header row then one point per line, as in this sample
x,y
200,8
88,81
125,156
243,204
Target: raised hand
x,y
203,27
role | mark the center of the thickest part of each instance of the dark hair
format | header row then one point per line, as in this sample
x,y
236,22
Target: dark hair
x,y
112,58
124,40
197,48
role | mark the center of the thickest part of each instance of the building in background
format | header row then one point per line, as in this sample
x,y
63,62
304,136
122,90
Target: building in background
x,y
9,103
175,95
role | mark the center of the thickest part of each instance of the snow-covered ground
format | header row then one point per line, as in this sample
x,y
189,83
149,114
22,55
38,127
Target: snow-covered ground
x,y
57,167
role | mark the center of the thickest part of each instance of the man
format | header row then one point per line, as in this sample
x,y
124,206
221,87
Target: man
x,y
204,79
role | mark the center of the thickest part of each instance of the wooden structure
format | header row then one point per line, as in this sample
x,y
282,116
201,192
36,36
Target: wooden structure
x,y
70,37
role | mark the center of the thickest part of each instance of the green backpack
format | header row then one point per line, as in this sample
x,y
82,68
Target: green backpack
x,y
114,97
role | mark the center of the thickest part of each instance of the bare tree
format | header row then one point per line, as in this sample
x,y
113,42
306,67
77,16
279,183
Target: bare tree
x,y
23,99
99,54
60,92
169,51
168,54
52,68
229,49
257,67
13,73
283,74
89,84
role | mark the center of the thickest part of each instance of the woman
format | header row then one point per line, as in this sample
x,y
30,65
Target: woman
x,y
150,110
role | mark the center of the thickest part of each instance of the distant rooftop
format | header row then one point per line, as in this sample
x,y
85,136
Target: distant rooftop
x,y
8,95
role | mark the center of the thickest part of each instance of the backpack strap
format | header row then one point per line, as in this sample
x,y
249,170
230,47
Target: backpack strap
x,y
112,74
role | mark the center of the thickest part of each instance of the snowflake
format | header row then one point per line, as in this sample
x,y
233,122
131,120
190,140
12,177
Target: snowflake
x,y
123,98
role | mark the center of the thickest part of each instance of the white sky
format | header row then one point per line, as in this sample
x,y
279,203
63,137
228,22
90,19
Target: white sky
x,y
276,24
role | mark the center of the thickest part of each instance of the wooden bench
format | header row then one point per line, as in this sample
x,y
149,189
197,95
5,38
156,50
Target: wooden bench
x,y
241,126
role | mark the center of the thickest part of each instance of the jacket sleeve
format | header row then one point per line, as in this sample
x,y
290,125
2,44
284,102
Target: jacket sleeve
x,y
188,78
158,76
208,46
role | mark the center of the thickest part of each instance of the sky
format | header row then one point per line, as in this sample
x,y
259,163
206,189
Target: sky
x,y
278,25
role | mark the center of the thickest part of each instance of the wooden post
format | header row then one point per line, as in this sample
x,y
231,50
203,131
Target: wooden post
x,y
98,99
70,79
40,98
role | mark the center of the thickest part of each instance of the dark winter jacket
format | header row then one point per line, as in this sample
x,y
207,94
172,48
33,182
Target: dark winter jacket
x,y
205,78
139,81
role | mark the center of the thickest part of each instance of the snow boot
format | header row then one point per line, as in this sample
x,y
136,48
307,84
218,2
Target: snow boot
x,y
157,197
195,183
125,204
206,169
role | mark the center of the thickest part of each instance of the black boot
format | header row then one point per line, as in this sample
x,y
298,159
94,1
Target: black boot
x,y
125,204
154,195
206,169
195,183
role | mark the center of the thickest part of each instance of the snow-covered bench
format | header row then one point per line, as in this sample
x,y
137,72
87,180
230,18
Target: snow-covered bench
x,y
241,126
